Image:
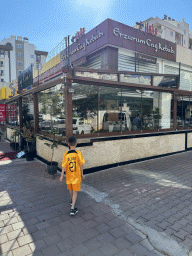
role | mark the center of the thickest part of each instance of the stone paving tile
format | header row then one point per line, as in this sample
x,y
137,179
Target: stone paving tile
x,y
80,250
139,249
105,238
5,230
93,244
38,245
102,227
91,233
181,234
90,224
24,250
51,250
78,238
121,243
3,239
24,240
54,229
66,253
97,252
125,252
65,244
133,238
52,239
38,235
109,249
11,245
7,254
117,232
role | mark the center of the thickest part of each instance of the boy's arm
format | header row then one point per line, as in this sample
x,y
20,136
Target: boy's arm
x,y
81,167
62,173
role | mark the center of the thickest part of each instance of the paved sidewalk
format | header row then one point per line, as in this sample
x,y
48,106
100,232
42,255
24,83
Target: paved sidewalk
x,y
128,210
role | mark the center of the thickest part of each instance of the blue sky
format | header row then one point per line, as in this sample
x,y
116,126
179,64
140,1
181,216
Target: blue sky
x,y
47,22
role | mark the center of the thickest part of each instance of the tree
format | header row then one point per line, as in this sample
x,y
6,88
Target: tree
x,y
87,104
51,104
26,116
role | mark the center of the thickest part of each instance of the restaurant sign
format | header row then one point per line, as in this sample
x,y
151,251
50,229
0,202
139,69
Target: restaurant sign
x,y
84,45
146,58
148,42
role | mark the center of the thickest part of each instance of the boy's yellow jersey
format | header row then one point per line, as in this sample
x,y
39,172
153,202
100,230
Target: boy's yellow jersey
x,y
71,161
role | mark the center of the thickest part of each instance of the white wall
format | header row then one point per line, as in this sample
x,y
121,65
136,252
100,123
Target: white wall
x,y
29,49
12,56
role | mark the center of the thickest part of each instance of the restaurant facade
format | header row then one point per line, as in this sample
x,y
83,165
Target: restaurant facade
x,y
119,90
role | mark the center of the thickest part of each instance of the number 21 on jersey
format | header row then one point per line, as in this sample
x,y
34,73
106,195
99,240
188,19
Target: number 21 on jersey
x,y
72,166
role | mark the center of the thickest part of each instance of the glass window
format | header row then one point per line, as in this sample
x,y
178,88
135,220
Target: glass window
x,y
28,109
131,107
19,72
109,116
135,79
19,55
85,109
12,113
171,33
184,32
184,112
165,81
2,80
19,63
1,63
32,56
19,46
51,104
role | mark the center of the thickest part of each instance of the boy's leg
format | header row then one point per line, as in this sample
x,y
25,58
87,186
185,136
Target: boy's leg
x,y
71,193
74,199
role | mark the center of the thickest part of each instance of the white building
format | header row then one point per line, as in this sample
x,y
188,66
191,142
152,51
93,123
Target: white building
x,y
175,31
16,55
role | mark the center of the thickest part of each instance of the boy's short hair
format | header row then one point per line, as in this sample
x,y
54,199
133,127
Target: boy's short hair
x,y
72,141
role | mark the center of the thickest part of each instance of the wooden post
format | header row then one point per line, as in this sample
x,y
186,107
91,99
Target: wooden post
x,y
68,109
36,112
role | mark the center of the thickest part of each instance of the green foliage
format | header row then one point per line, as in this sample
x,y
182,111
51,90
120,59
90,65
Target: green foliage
x,y
51,103
28,134
26,116
83,105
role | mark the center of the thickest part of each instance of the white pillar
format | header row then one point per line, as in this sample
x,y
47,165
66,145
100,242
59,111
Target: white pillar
x,y
165,109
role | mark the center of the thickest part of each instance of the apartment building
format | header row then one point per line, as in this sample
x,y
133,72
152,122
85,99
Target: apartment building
x,y
167,28
16,55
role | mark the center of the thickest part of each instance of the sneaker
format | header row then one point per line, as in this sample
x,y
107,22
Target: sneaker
x,y
74,211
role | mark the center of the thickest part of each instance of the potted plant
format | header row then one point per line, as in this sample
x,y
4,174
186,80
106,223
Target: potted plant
x,y
27,132
52,166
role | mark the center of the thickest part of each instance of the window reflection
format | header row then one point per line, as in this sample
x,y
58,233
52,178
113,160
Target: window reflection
x,y
164,81
184,112
12,113
85,109
28,109
51,105
135,79
110,117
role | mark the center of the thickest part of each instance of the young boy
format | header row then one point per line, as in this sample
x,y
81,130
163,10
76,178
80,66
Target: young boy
x,y
73,166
